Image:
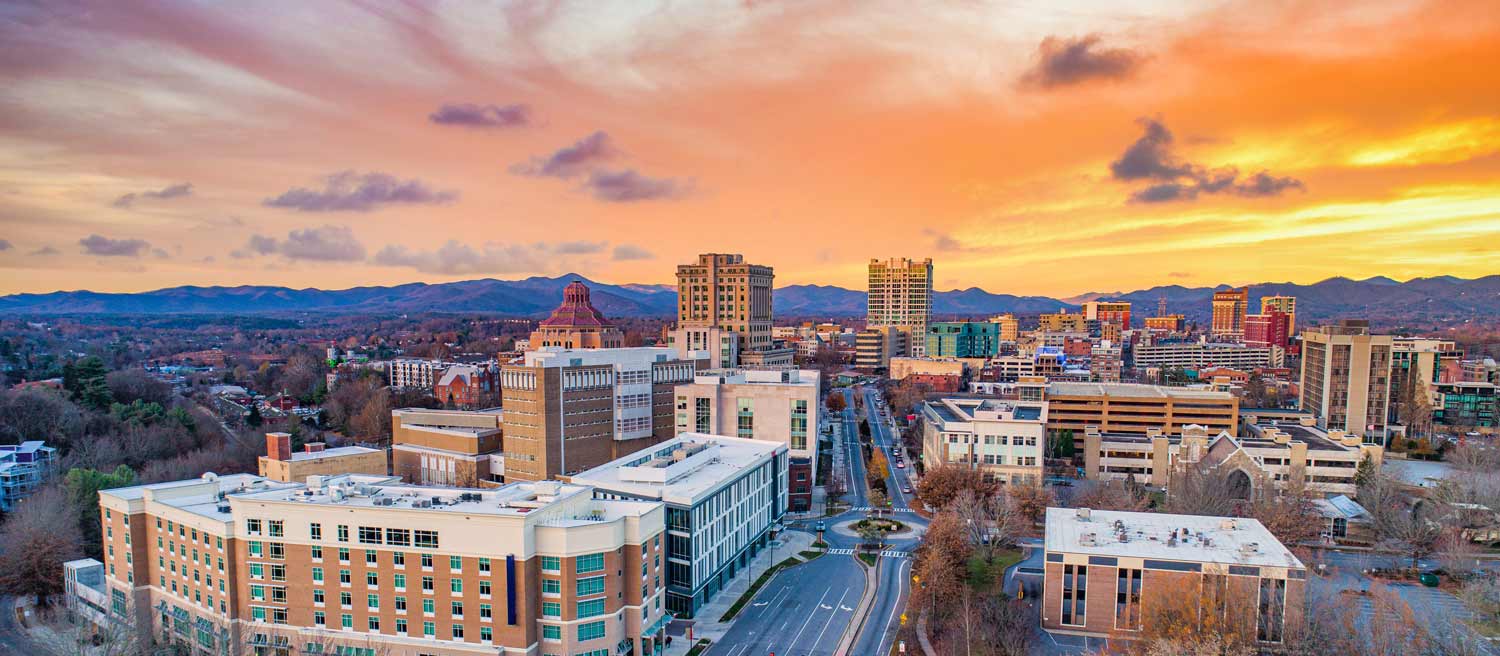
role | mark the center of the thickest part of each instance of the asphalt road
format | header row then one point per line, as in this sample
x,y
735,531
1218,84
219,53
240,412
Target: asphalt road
x,y
802,612
12,639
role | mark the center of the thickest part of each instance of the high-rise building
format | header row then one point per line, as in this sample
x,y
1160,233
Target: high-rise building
x,y
1009,327
1346,378
576,324
963,339
1269,328
357,564
723,291
1229,309
900,296
767,405
1062,322
1108,311
723,496
1284,304
569,410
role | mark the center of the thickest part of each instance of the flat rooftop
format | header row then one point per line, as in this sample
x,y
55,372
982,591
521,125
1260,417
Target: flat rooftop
x,y
682,469
1133,390
633,356
205,501
1203,539
336,452
984,409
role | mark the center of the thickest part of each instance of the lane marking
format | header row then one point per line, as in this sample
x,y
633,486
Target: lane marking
x,y
810,617
840,603
900,589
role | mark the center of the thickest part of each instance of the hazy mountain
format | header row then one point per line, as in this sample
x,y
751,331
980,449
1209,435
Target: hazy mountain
x,y
1442,298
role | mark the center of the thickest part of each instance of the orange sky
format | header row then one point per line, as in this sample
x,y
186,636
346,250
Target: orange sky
x,y
808,136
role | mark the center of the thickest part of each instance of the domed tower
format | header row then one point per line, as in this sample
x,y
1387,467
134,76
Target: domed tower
x,y
576,324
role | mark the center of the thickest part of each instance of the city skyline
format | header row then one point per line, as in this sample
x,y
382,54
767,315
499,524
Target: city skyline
x,y
1026,151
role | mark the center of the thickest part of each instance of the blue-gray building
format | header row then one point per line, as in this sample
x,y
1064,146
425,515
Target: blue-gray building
x,y
23,469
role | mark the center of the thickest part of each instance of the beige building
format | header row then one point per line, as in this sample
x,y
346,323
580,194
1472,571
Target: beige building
x,y
875,346
569,410
1346,378
900,368
364,565
1009,327
1229,310
1136,409
1269,455
576,324
280,464
767,405
447,447
723,291
1001,438
1062,322
1284,304
721,344
900,296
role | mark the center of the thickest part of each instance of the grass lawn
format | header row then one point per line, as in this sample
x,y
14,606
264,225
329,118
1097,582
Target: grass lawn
x,y
809,555
869,558
985,576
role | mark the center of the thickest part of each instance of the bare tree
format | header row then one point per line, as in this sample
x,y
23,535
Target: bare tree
x,y
990,522
1113,494
1199,489
1401,523
70,634
35,541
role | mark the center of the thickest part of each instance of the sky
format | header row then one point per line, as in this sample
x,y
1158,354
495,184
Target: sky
x,y
1047,147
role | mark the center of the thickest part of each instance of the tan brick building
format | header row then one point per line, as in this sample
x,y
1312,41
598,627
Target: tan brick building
x,y
576,324
447,447
569,410
280,464
1346,378
1106,572
363,565
722,290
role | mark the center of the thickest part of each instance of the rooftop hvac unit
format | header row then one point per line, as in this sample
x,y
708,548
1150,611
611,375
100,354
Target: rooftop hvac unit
x,y
384,501
224,508
1083,514
421,503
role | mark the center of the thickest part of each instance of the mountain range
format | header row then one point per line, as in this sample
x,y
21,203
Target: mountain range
x,y
1442,298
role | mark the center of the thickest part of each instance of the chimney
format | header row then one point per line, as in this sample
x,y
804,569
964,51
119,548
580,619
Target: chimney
x,y
279,446
314,447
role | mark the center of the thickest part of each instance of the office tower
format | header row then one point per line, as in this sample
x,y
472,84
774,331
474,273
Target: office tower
x,y
963,339
773,406
1009,327
1137,409
900,296
576,324
1062,322
1133,562
1284,304
1270,328
1117,312
569,410
356,564
723,291
1229,309
1346,378
723,496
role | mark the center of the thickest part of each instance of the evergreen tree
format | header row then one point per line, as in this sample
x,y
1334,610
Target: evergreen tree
x,y
254,420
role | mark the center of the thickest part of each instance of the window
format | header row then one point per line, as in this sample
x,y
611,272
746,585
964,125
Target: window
x,y
343,533
372,579
1269,621
252,527
343,555
425,539
427,607
278,551
589,563
458,632
369,535
590,586
372,557
551,609
346,620
551,564
799,425
484,565
372,602
486,634
319,618
455,564
1075,584
429,629
398,537
745,419
315,530
400,626
317,575
456,609
275,526
1128,599
344,577
317,552
346,600
456,586
591,631
551,587
257,550
374,622
257,571
400,604
484,588
317,596
427,584
400,581
257,593
485,612
591,608
552,633
426,561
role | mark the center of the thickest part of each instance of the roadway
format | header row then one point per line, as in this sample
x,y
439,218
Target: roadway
x,y
792,616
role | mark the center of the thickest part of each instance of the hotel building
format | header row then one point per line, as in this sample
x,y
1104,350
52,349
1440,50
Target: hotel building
x,y
771,406
723,496
1106,572
1229,309
1284,304
363,565
1002,439
1346,378
900,296
569,410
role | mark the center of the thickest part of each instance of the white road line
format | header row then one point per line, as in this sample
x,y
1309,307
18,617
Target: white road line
x,y
810,616
894,607
840,604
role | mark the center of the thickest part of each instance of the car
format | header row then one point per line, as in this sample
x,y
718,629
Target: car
x,y
819,527
906,489
900,465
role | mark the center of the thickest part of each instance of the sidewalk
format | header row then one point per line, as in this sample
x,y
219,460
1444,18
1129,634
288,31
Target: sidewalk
x,y
707,624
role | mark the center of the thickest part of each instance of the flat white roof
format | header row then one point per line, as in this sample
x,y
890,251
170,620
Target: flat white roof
x,y
1132,390
1203,539
336,452
205,502
633,356
708,462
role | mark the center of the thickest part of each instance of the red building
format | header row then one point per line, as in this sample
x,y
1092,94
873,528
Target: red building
x,y
468,387
1269,329
940,383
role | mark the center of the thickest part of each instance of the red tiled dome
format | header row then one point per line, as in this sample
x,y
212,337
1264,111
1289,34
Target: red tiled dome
x,y
576,310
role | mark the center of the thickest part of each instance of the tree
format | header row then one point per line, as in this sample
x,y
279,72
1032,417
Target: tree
x,y
835,401
253,418
942,561
991,522
1288,512
83,487
879,466
1112,494
129,385
941,484
1199,489
1399,522
34,543
1365,472
86,380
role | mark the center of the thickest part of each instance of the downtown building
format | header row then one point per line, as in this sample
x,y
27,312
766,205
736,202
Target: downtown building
x,y
1003,439
1105,571
1227,319
719,298
779,406
900,297
1284,304
1196,355
724,496
1116,312
576,324
1137,409
1346,378
448,447
362,565
571,410
963,339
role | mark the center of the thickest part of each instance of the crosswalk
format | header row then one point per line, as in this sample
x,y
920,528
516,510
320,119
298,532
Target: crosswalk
x,y
894,554
873,509
889,553
841,552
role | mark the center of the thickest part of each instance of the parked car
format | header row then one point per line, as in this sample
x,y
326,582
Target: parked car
x,y
900,465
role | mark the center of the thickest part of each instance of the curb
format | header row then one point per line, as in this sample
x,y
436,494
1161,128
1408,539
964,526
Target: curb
x,y
862,612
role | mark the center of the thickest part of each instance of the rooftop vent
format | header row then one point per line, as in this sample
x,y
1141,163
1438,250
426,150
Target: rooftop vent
x,y
1227,525
1083,514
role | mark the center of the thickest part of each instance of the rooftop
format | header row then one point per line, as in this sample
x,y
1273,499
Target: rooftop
x,y
1193,538
336,452
802,377
200,496
637,356
982,409
576,310
682,469
1133,390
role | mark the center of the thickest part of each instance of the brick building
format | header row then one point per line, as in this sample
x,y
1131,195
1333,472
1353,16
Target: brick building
x,y
280,464
468,386
576,324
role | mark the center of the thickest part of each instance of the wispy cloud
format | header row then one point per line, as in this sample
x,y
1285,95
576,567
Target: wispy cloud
x,y
104,246
570,161
628,252
328,243
350,191
1065,62
628,186
473,115
454,258
174,191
